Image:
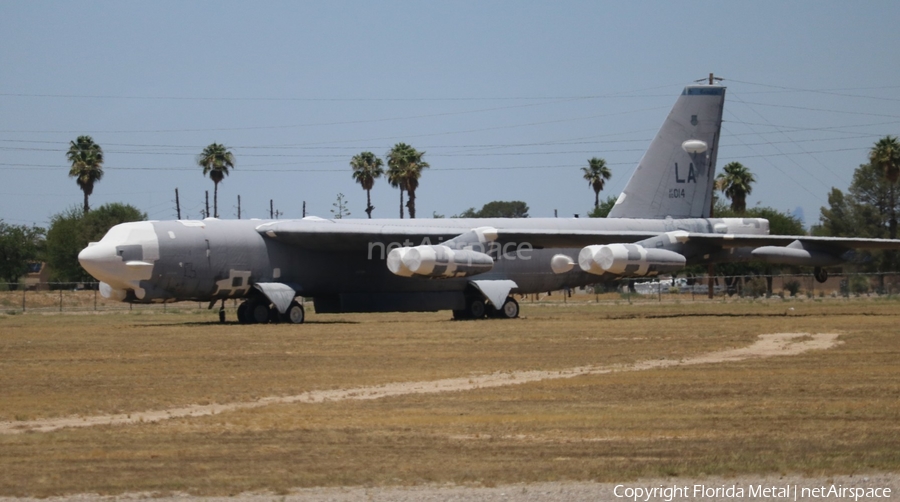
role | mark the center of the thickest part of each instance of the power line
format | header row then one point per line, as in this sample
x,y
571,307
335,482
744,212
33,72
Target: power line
x,y
619,94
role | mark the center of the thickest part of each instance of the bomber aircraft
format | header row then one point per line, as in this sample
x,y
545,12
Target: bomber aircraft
x,y
660,223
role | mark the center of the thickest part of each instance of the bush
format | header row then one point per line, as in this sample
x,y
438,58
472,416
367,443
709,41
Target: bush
x,y
756,287
859,284
793,287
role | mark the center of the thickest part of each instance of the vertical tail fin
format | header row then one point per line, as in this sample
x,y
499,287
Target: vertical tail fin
x,y
675,177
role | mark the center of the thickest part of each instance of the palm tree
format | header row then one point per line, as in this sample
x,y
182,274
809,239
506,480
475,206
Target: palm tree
x,y
405,166
736,181
396,179
366,168
216,160
885,156
596,174
87,165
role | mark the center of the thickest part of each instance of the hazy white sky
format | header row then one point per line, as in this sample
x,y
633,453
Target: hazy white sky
x,y
507,98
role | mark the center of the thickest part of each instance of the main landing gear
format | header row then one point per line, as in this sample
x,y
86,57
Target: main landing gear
x,y
476,308
259,311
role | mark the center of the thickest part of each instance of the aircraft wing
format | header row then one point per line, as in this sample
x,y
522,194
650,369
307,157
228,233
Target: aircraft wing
x,y
327,235
330,235
754,241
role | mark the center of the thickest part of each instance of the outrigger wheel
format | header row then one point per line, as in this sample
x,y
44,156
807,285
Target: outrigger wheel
x,y
820,274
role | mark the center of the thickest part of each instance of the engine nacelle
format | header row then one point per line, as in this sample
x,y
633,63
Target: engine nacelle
x,y
437,262
629,260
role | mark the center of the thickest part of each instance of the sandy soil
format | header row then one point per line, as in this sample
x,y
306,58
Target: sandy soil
x,y
779,344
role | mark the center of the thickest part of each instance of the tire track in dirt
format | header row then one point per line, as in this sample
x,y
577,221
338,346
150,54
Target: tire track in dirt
x,y
771,345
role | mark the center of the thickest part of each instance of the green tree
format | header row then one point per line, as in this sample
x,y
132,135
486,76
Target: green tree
x,y
596,174
19,246
834,219
86,158
340,208
405,166
71,230
736,182
216,160
366,169
780,223
885,156
602,211
498,209
396,180
864,211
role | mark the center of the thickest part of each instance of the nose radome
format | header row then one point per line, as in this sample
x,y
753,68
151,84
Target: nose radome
x,y
98,260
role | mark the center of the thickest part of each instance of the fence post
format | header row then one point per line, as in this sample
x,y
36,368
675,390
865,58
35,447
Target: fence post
x,y
60,297
23,299
95,300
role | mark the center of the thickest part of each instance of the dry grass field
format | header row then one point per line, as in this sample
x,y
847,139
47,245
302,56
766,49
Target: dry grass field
x,y
823,412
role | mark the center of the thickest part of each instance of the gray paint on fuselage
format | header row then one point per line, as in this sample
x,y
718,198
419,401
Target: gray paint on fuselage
x,y
202,254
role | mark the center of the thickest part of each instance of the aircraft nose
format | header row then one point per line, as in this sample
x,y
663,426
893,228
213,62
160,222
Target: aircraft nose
x,y
98,259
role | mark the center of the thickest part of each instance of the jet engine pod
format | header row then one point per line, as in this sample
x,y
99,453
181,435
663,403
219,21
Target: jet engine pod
x,y
628,259
437,262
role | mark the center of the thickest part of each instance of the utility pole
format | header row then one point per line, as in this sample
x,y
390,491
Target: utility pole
x,y
710,269
239,207
177,204
273,214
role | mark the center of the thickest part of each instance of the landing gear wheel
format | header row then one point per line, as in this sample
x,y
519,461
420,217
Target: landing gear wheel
x,y
475,308
510,309
242,313
259,313
820,274
294,314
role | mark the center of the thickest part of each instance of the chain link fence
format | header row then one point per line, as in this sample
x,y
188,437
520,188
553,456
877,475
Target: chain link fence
x,y
730,288
85,296
74,297
781,286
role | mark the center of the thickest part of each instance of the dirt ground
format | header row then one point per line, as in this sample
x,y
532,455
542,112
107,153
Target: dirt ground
x,y
567,403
